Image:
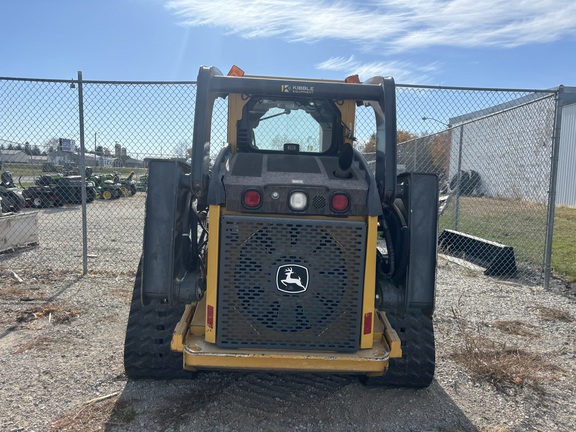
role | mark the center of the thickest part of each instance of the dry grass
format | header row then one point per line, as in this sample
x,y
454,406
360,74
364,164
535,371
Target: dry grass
x,y
124,294
97,415
38,343
507,368
554,314
515,327
11,292
54,313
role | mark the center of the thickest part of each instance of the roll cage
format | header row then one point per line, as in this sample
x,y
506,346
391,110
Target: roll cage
x,y
377,92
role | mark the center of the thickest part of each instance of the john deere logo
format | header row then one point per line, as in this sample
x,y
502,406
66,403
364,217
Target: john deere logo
x,y
292,278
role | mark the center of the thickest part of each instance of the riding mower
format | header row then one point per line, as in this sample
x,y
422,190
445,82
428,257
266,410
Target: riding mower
x,y
68,189
12,199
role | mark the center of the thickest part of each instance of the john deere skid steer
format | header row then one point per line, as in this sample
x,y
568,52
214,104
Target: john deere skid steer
x,y
286,252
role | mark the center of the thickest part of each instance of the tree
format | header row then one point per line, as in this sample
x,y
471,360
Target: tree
x,y
52,145
401,136
277,143
180,149
440,154
370,146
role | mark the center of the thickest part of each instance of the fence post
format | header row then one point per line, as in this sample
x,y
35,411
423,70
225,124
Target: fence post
x,y
552,189
458,178
82,167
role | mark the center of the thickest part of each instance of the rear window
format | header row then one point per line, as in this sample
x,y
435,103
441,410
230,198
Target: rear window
x,y
272,123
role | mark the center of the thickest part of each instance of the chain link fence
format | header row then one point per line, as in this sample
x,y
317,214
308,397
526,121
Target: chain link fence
x,y
491,151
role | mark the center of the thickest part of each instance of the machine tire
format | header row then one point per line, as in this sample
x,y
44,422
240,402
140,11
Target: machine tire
x,y
106,194
416,367
38,202
90,194
132,190
148,335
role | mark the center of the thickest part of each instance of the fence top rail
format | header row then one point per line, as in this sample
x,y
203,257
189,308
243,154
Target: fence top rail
x,y
76,81
489,89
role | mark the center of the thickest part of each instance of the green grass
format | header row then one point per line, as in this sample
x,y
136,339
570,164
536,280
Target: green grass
x,y
564,243
521,225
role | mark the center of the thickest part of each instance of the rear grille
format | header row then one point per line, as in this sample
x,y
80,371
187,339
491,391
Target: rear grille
x,y
290,283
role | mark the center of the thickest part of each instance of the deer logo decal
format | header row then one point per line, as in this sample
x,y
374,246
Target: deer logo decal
x,y
292,278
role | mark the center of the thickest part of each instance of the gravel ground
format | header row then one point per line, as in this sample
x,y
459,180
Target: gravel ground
x,y
61,347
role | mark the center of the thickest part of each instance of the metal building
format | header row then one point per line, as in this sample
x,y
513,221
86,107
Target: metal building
x,y
566,183
512,153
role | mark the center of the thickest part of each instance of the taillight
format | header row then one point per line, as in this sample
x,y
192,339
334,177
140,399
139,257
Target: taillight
x,y
252,199
368,323
340,202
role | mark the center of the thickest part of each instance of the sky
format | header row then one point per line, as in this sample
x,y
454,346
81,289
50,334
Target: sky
x,y
523,44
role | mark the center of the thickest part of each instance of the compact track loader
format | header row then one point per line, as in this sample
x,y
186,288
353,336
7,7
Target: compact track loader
x,y
286,252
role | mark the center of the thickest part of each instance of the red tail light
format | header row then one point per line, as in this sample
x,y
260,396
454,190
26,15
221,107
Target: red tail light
x,y
339,202
210,316
252,199
368,323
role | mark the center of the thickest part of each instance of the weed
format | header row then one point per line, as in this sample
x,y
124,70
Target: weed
x,y
56,314
38,343
505,367
96,416
515,327
123,413
554,314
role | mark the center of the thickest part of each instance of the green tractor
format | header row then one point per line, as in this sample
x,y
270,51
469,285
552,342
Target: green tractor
x,y
127,185
107,186
142,183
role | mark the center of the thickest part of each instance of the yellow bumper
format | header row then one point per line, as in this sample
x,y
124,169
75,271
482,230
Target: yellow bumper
x,y
189,339
199,354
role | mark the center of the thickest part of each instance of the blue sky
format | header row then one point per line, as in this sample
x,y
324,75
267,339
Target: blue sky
x,y
488,43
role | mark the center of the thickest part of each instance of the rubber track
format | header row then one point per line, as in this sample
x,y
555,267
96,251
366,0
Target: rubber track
x,y
416,367
148,334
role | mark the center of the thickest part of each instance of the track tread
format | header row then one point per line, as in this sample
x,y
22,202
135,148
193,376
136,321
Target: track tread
x,y
148,335
416,367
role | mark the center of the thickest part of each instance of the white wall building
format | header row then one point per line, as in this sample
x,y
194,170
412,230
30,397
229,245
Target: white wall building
x,y
510,146
14,156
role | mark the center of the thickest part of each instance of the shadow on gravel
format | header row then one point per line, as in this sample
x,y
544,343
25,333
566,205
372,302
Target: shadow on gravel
x,y
282,402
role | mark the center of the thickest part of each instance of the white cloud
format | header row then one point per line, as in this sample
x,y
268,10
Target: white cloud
x,y
398,25
400,70
385,28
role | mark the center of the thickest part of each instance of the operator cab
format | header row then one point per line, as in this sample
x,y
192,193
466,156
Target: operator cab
x,y
290,126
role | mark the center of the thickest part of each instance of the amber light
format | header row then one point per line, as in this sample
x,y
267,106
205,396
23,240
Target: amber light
x,y
252,198
353,79
236,71
340,202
